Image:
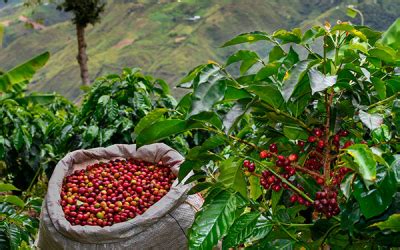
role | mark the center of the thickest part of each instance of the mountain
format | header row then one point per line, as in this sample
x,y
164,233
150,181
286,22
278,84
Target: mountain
x,y
163,37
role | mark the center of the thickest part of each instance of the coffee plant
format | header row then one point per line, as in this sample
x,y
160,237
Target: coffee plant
x,y
18,219
308,154
28,124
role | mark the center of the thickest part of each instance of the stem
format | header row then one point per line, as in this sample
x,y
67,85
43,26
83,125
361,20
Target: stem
x,y
282,179
310,172
327,158
33,180
391,98
234,138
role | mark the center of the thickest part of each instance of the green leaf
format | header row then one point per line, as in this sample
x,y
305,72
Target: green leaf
x,y
240,230
90,134
372,121
233,94
248,38
6,187
275,198
391,37
15,200
395,166
276,53
234,115
213,221
197,152
200,187
152,117
383,53
350,29
351,12
267,71
374,201
364,159
294,133
105,135
247,57
23,72
163,129
345,186
18,138
293,36
2,147
319,82
261,230
268,93
185,168
255,187
207,94
381,134
231,175
209,117
295,75
379,86
41,99
392,223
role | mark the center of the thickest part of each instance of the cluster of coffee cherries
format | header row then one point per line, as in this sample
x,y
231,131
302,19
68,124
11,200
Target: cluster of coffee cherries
x,y
326,202
337,177
106,193
286,166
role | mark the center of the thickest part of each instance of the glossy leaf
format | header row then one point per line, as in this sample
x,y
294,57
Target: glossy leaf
x,y
152,117
6,187
247,57
255,187
163,129
295,75
319,82
380,196
267,71
392,223
213,221
248,38
12,199
380,87
275,54
240,230
293,36
346,184
268,93
295,133
231,175
207,94
261,230
199,187
234,115
23,72
364,159
372,121
391,37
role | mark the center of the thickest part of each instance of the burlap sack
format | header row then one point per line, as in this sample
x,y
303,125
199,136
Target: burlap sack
x,y
163,226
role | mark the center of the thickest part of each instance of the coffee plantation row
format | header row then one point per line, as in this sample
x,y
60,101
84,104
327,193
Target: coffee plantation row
x,y
298,148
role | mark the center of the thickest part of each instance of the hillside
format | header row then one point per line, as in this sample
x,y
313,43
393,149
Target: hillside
x,y
164,38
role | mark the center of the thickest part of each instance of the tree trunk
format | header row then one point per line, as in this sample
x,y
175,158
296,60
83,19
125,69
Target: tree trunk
x,y
82,56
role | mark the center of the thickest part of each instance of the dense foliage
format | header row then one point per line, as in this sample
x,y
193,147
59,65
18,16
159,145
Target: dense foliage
x,y
37,130
298,149
308,156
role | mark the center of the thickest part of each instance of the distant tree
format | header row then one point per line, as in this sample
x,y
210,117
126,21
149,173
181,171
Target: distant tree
x,y
85,12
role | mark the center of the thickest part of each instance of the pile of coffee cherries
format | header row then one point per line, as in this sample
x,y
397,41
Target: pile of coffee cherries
x,y
106,193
